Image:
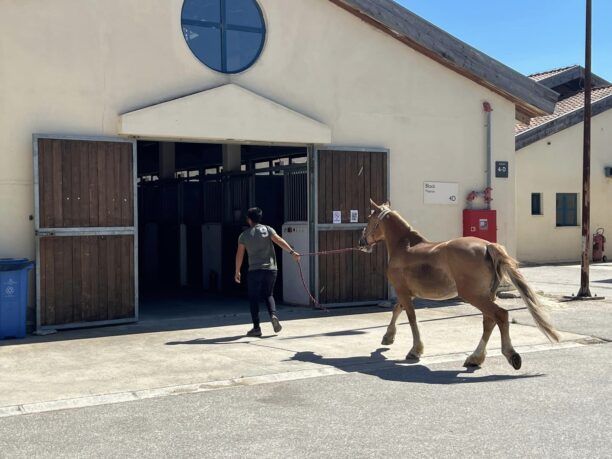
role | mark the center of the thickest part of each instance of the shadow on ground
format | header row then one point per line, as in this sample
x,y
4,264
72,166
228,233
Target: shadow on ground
x,y
220,340
237,338
403,371
178,322
187,315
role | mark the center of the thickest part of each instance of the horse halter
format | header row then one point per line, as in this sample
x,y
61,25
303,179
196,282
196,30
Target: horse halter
x,y
383,214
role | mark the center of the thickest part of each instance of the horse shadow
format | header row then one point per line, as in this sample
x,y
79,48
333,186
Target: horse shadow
x,y
379,366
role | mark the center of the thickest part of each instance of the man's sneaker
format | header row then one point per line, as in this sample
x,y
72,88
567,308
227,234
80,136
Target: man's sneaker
x,y
255,332
276,324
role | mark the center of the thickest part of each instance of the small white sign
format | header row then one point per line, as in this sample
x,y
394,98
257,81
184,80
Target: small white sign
x,y
337,216
354,216
446,193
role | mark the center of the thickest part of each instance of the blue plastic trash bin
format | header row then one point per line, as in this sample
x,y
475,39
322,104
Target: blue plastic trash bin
x,y
13,296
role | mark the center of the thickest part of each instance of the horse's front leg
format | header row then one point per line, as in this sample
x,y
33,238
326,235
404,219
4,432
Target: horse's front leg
x,y
389,337
417,345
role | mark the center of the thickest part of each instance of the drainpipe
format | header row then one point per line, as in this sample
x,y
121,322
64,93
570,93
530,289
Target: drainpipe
x,y
487,109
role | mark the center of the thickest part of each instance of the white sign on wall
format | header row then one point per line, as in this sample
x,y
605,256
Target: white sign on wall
x,y
354,216
446,193
337,216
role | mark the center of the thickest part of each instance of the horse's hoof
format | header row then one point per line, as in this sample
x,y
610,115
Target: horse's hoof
x,y
470,364
515,361
474,360
387,341
413,357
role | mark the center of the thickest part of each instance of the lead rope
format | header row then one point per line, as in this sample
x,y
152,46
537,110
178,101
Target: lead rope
x,y
318,305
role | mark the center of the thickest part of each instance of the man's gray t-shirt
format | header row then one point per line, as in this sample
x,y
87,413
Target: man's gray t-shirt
x,y
259,246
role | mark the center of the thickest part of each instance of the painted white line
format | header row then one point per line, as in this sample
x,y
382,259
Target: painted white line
x,y
121,397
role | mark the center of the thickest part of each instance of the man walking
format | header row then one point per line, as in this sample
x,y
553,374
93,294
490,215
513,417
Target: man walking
x,y
258,241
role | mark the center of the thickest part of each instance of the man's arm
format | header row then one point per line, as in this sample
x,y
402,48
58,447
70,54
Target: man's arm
x,y
239,259
279,241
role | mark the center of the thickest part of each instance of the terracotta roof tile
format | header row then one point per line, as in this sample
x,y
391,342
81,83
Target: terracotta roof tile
x,y
564,107
543,75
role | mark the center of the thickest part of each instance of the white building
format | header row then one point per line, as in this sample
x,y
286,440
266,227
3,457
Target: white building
x,y
205,93
549,170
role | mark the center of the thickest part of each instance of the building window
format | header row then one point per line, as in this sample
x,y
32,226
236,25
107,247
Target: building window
x,y
225,35
536,203
567,209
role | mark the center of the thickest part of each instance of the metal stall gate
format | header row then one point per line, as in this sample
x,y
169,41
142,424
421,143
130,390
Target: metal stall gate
x,y
346,179
86,239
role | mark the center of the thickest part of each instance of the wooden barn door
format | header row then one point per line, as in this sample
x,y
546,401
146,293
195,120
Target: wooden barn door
x,y
86,242
346,180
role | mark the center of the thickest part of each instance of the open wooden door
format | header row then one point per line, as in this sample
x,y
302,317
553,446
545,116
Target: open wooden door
x,y
346,179
86,238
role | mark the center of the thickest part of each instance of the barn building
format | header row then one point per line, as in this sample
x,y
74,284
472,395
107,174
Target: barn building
x,y
136,133
549,169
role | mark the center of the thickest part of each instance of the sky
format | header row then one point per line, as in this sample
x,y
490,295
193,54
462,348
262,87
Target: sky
x,y
528,35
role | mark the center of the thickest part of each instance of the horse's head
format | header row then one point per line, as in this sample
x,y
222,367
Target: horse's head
x,y
373,232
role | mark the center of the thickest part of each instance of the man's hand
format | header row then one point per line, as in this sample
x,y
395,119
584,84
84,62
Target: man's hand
x,y
239,258
286,247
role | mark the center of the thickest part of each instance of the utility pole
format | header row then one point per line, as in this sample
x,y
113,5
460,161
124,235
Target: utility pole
x,y
585,291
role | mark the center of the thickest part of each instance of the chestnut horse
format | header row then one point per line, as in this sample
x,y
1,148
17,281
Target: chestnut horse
x,y
468,267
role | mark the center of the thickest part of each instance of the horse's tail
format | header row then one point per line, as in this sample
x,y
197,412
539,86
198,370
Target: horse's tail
x,y
506,266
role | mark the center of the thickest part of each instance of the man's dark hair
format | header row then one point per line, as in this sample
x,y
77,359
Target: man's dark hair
x,y
255,214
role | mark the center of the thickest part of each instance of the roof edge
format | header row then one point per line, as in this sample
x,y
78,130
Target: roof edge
x,y
554,71
566,121
568,74
531,98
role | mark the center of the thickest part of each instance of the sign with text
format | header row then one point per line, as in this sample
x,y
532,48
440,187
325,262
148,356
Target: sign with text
x,y
354,216
501,169
446,193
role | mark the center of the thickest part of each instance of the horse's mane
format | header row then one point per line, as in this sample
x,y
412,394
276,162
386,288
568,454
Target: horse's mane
x,y
414,236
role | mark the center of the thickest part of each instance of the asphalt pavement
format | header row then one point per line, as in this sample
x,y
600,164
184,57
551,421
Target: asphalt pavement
x,y
561,407
325,387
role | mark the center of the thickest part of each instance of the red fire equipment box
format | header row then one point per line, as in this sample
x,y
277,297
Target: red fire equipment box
x,y
599,243
480,223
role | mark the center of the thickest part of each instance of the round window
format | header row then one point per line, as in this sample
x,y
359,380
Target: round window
x,y
225,35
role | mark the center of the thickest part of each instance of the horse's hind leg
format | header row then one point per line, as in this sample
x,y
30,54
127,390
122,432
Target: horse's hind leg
x,y
478,356
500,316
389,337
513,357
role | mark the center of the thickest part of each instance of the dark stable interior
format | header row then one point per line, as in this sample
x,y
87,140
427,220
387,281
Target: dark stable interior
x,y
189,219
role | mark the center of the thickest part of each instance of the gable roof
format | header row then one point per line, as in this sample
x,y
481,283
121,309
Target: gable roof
x,y
557,77
550,73
225,112
568,112
531,98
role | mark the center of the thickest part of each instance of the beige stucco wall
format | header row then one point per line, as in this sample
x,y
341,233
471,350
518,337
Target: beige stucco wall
x,y
73,66
554,165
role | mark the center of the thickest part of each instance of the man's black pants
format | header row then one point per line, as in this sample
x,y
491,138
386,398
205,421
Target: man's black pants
x,y
261,287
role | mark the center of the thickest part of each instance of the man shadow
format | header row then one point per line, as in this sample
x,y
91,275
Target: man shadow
x,y
221,340
236,339
379,366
